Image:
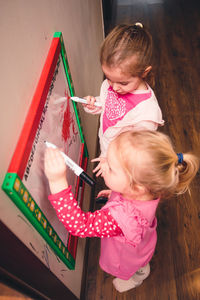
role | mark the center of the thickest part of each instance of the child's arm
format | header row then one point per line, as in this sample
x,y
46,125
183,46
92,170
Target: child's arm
x,y
55,170
98,224
103,93
83,224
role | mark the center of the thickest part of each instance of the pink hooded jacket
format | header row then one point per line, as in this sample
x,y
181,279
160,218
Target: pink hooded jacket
x,y
146,115
123,255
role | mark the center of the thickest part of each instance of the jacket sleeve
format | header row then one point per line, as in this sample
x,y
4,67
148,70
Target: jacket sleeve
x,y
101,98
83,224
131,221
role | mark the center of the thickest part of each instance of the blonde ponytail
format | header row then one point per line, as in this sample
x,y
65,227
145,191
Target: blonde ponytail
x,y
186,172
149,159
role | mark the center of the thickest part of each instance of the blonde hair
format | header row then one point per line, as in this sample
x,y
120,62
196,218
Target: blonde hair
x,y
149,159
130,48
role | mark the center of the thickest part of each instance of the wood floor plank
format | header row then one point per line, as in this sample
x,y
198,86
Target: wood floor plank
x,y
175,267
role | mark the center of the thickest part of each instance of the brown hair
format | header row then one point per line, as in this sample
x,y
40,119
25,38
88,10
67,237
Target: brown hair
x,y
149,159
130,48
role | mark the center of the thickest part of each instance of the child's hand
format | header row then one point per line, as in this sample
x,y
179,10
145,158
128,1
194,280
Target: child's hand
x,y
101,167
104,193
90,102
55,170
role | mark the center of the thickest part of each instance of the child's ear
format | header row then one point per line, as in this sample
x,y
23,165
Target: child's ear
x,y
146,71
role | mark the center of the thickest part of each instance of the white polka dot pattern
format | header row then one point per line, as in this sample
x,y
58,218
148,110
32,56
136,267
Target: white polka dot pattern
x,y
96,224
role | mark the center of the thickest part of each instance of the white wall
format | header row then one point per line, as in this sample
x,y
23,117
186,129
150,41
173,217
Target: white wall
x,y
26,30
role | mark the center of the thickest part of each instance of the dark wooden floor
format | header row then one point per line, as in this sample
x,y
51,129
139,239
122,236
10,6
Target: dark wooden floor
x,y
175,275
7,293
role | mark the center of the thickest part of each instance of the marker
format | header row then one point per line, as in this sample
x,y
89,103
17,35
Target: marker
x,y
81,100
73,166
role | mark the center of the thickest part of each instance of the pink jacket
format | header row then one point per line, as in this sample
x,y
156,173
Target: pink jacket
x,y
123,255
146,115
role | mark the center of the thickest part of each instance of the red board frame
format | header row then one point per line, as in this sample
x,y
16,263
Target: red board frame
x,y
24,146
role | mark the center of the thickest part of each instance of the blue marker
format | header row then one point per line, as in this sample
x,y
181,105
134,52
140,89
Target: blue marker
x,y
73,166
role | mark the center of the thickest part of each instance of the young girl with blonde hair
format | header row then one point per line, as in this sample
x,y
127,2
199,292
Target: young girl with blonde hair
x,y
128,101
141,167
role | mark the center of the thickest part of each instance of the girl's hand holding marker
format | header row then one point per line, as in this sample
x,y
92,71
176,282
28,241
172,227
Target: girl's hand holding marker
x,y
55,170
89,101
57,155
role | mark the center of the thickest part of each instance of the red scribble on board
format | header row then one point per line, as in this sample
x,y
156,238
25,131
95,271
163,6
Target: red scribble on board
x,y
68,121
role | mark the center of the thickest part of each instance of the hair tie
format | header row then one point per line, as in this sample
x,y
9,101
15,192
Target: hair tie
x,y
139,24
180,157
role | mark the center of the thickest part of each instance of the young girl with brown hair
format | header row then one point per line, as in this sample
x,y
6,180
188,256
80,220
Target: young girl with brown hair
x,y
128,102
141,167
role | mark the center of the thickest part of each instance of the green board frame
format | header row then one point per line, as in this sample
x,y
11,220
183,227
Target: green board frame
x,y
13,185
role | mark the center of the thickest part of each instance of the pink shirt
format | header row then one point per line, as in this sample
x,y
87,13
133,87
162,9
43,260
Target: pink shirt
x,y
127,229
117,106
122,255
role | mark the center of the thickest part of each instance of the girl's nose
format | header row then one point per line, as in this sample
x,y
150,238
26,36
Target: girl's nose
x,y
115,87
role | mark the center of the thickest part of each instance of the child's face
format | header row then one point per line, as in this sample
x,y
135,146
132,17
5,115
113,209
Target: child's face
x,y
114,175
120,82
